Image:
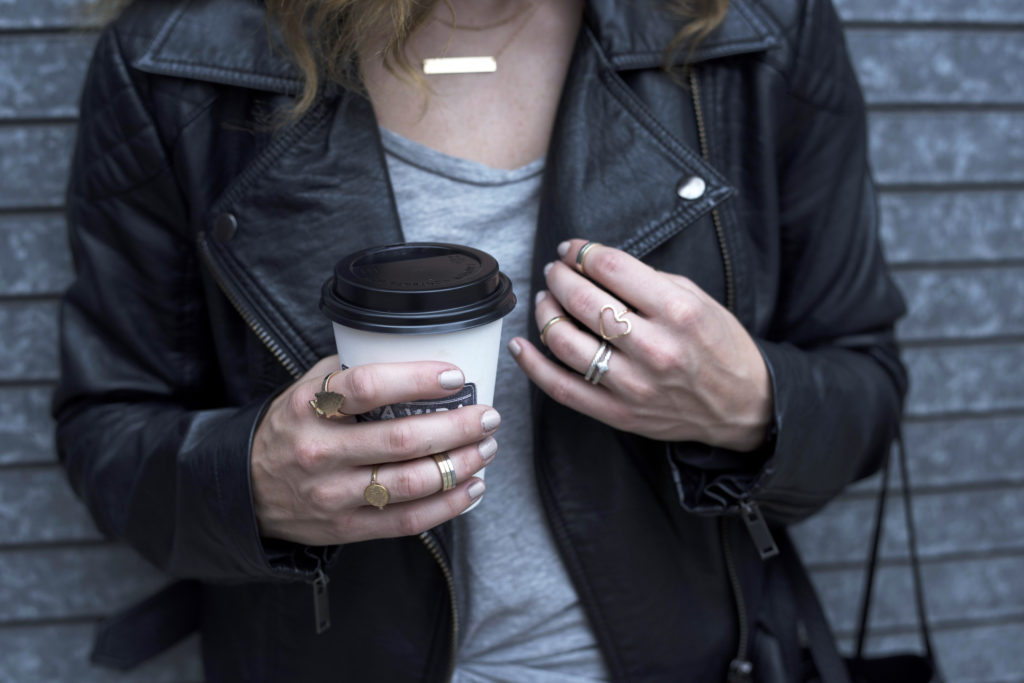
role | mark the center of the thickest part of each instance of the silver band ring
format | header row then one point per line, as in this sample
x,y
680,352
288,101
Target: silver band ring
x,y
599,364
581,255
447,469
547,326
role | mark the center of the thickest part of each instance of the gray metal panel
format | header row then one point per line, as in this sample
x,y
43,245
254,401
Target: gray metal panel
x,y
976,588
48,582
939,67
37,506
934,11
34,162
963,303
28,346
60,652
43,14
34,257
973,379
26,430
951,522
953,226
933,147
43,74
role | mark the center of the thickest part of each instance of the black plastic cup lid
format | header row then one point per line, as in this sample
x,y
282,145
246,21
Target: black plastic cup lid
x,y
417,288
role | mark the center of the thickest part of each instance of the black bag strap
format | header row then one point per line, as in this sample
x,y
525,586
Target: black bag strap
x,y
915,564
820,640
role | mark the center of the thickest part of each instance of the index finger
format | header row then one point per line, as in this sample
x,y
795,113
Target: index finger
x,y
367,387
628,278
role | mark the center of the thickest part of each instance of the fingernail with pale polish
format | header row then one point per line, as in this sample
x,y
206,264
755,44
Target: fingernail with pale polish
x,y
451,379
563,249
488,448
490,420
476,489
541,295
548,267
514,348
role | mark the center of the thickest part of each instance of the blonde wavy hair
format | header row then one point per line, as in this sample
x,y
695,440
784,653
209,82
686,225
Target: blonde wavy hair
x,y
325,37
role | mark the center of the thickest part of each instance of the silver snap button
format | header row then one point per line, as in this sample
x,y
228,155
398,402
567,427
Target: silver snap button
x,y
224,227
691,188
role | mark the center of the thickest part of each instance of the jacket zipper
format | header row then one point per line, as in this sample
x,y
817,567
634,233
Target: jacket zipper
x,y
321,602
434,547
723,246
250,319
740,668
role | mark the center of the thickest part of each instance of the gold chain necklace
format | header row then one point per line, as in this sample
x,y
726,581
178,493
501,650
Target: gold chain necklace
x,y
456,26
474,65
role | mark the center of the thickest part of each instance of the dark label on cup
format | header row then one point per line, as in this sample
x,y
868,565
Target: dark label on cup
x,y
465,397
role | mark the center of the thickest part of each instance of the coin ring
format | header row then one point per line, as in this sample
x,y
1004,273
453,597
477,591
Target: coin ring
x,y
376,494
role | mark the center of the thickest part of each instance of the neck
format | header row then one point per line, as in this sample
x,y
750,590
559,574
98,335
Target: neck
x,y
475,12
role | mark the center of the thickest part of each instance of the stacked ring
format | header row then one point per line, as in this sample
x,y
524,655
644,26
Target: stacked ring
x,y
581,255
599,364
447,468
547,326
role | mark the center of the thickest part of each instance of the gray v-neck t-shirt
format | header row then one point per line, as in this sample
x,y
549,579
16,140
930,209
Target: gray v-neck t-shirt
x,y
519,616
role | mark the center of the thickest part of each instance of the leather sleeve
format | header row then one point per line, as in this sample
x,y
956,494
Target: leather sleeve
x,y
141,427
837,380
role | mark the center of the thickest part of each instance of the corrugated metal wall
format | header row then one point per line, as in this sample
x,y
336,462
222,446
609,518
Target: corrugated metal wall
x,y
945,83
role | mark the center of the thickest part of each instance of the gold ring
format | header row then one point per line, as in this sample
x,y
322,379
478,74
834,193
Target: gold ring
x,y
376,494
447,468
326,403
599,364
619,318
547,326
581,255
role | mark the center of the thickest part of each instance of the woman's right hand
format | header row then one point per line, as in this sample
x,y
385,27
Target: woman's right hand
x,y
309,473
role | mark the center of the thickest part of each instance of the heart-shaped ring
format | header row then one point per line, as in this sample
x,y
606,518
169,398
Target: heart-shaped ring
x,y
620,317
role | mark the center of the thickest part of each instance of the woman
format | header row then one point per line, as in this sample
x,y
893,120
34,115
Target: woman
x,y
714,224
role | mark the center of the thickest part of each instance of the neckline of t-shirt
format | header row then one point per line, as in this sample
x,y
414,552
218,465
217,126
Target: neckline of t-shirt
x,y
455,168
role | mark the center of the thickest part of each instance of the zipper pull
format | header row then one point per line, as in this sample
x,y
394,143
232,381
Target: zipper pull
x,y
740,671
758,530
321,603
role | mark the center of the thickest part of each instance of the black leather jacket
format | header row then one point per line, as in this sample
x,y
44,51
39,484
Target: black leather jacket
x,y
201,239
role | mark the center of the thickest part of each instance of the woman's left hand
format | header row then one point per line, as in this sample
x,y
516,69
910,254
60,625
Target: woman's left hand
x,y
682,367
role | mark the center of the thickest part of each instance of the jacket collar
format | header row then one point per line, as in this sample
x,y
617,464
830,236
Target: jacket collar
x,y
225,41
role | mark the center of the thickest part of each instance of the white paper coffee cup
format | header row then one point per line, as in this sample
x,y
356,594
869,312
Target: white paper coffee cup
x,y
421,301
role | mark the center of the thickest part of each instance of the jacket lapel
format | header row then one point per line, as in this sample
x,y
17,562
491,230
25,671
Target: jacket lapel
x,y
319,191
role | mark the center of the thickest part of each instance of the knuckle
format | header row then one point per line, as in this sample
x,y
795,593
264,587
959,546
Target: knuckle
x,y
406,483
298,402
309,456
411,523
662,361
400,439
561,346
640,392
342,527
361,385
660,357
322,498
582,300
681,311
561,390
608,262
